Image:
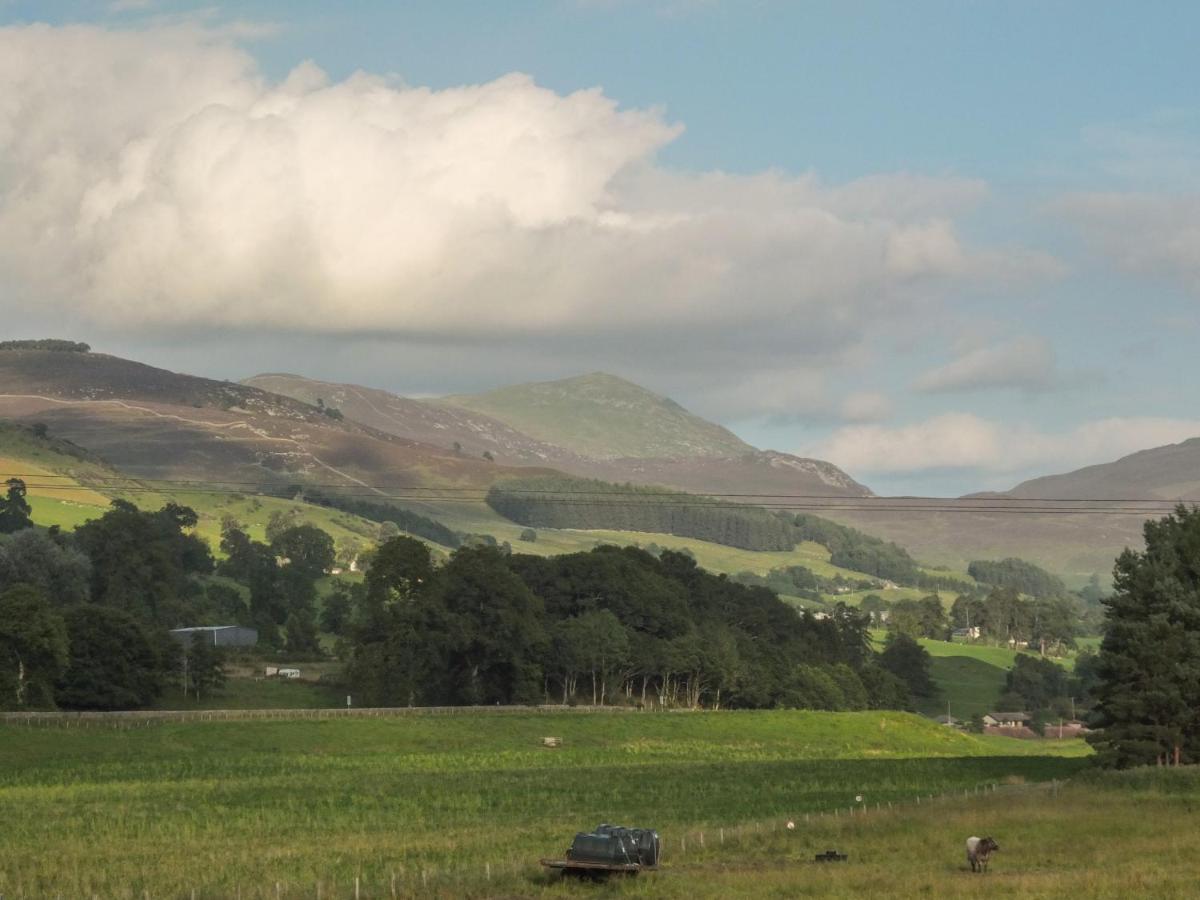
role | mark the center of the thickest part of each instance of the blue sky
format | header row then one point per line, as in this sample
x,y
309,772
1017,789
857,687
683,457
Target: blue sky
x,y
947,245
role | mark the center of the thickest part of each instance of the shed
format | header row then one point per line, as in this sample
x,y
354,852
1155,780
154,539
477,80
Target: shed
x,y
218,635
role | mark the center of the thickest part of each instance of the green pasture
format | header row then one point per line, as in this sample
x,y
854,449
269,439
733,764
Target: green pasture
x,y
233,807
969,686
1100,835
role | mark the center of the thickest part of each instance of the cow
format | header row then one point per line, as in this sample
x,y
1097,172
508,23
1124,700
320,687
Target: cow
x,y
979,850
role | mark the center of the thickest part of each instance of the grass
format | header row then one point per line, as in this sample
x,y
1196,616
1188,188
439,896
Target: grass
x,y
971,677
234,807
968,685
262,693
1101,835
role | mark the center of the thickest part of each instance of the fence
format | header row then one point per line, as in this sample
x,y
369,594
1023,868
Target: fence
x,y
142,718
417,879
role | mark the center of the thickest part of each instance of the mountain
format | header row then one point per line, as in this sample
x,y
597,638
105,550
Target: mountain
x,y
1069,542
598,426
153,423
604,417
432,423
1162,473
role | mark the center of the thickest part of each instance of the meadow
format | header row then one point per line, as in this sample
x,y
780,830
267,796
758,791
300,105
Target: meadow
x,y
460,804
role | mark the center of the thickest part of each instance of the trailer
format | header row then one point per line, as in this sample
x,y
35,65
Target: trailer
x,y
610,849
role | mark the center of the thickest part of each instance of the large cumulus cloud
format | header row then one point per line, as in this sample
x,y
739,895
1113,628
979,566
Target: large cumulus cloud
x,y
156,179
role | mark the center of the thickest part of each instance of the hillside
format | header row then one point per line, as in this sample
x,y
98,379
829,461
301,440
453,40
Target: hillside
x,y
634,425
1070,545
149,423
1163,473
604,417
431,423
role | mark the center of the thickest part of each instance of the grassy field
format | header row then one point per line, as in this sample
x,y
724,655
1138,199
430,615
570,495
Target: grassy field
x,y
969,686
234,807
261,693
970,676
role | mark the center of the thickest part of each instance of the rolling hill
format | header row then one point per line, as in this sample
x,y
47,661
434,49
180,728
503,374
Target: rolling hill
x,y
153,423
119,428
597,426
1072,545
1164,473
602,416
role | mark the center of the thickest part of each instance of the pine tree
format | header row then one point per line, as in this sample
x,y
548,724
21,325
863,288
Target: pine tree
x,y
1149,697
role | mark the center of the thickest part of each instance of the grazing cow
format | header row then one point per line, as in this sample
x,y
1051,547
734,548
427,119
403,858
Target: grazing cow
x,y
979,850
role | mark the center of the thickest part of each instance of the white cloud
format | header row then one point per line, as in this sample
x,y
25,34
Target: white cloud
x,y
1154,234
156,181
866,406
1024,362
966,441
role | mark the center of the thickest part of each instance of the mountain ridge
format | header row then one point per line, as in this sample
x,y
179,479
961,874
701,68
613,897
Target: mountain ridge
x,y
726,466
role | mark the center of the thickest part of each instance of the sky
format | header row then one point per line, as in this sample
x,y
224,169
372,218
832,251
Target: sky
x,y
946,246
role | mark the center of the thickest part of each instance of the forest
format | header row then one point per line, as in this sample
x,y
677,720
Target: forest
x,y
84,622
563,502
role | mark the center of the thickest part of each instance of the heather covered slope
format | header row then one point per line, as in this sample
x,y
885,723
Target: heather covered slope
x,y
432,423
1164,473
707,458
153,423
1073,545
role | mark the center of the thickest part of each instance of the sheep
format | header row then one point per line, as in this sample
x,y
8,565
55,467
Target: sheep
x,y
978,852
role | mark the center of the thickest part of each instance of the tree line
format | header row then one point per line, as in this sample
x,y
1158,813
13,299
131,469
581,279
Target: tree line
x,y
404,519
46,344
611,625
85,617
564,502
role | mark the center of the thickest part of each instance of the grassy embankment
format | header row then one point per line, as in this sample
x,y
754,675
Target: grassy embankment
x,y
223,807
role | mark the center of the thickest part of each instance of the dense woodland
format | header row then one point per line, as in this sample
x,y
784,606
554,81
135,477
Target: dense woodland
x,y
405,519
613,625
562,502
84,621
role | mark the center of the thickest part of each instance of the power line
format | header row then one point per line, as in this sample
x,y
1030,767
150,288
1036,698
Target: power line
x,y
685,501
117,482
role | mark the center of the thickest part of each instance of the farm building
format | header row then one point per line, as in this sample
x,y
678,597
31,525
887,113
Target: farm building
x,y
219,635
1006,719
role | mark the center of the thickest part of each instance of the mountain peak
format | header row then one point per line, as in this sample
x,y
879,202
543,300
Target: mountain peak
x,y
605,416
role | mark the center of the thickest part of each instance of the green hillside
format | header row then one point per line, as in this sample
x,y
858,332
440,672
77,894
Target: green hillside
x,y
604,417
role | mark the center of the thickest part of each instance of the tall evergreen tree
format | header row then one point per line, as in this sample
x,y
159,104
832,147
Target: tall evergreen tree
x,y
1149,696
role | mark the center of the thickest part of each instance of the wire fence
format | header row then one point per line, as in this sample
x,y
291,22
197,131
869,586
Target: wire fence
x,y
475,877
147,717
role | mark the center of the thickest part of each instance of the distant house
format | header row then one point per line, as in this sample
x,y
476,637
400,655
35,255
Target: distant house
x,y
1064,730
966,634
1006,719
218,635
949,721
